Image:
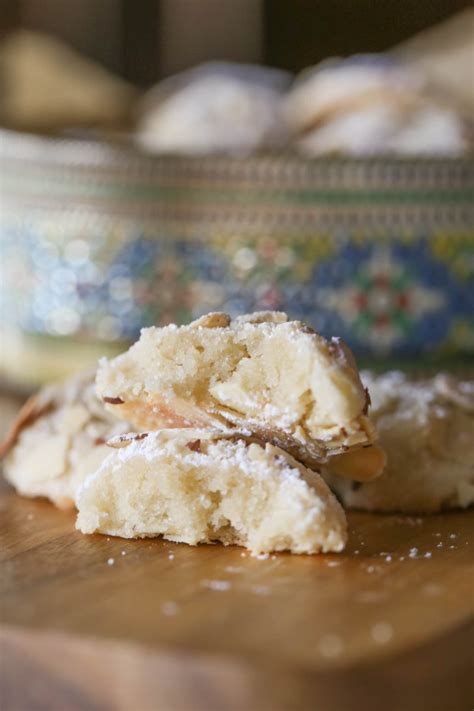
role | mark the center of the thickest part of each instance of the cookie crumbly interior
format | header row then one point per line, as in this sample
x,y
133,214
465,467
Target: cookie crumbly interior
x,y
195,486
262,372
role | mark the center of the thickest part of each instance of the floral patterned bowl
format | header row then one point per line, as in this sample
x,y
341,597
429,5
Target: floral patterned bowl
x,y
99,240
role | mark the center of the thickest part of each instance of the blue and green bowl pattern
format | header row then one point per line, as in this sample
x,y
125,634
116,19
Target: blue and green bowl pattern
x,y
99,241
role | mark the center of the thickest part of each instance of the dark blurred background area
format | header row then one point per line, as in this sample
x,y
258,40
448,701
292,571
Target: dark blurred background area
x,y
147,40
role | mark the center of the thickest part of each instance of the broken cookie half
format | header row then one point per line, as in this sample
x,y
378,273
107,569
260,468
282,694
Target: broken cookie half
x,y
261,373
202,486
58,439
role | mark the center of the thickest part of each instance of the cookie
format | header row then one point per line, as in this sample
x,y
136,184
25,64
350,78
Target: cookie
x,y
201,486
427,431
338,86
261,373
370,105
215,108
58,439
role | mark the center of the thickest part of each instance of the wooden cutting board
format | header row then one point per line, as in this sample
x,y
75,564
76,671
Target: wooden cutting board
x,y
91,622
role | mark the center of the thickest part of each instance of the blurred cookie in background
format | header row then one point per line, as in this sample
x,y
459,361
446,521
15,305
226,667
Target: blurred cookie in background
x,y
370,105
217,107
46,86
445,55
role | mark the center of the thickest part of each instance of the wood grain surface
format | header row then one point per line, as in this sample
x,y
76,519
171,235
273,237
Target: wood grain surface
x,y
92,622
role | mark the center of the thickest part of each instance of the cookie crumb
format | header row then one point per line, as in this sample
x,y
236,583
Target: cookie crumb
x,y
260,589
382,632
432,589
218,585
169,608
330,645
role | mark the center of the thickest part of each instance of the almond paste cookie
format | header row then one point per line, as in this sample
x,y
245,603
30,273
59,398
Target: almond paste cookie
x,y
58,439
261,373
427,431
201,486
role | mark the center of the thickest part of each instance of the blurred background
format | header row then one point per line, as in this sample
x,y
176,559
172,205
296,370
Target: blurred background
x,y
148,40
164,158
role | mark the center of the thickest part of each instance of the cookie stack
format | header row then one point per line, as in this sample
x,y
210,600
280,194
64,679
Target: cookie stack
x,y
221,430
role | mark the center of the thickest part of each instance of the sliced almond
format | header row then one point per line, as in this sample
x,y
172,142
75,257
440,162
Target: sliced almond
x,y
263,317
32,409
362,464
215,319
125,439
